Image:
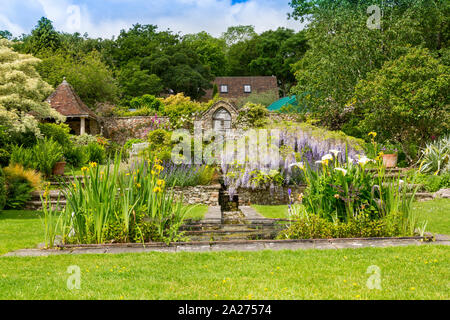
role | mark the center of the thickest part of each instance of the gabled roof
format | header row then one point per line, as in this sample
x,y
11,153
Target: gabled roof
x,y
68,103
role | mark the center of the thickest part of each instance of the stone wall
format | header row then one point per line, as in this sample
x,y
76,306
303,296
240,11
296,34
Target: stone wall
x,y
278,196
121,129
279,117
207,195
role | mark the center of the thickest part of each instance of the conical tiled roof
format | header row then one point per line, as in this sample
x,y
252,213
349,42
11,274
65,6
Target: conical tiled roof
x,y
68,103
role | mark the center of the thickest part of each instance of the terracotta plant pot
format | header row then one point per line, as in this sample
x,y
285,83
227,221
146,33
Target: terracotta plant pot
x,y
390,160
58,169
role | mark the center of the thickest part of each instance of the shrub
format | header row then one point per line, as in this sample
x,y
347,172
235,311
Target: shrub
x,y
181,110
252,115
435,157
58,132
2,189
147,101
315,227
4,157
265,98
20,183
187,175
76,156
84,139
46,154
95,153
42,157
433,183
160,144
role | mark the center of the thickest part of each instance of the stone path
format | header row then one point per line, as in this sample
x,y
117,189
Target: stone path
x,y
213,215
232,246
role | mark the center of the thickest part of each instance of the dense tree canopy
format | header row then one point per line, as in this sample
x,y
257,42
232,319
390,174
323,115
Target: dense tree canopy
x,y
343,50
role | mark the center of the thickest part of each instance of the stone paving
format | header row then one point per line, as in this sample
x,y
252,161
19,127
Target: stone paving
x,y
256,245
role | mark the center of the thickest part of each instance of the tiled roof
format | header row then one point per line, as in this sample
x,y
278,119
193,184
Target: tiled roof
x,y
235,85
68,103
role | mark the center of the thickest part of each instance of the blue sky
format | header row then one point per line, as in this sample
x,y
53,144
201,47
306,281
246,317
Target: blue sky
x,y
105,18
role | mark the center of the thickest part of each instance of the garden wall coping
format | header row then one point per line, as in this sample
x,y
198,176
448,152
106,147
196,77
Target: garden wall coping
x,y
249,245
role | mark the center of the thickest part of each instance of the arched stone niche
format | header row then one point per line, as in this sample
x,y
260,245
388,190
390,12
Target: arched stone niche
x,y
220,116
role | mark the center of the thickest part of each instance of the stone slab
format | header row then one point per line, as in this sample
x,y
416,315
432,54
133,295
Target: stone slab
x,y
251,245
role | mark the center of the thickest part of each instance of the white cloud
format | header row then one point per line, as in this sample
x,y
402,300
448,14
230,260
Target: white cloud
x,y
6,24
185,16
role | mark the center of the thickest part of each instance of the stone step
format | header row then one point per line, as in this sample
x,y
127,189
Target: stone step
x,y
229,235
37,205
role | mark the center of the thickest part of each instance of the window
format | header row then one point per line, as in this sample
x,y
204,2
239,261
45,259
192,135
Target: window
x,y
223,88
247,88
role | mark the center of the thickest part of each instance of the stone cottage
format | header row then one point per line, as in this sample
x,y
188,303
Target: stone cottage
x,y
79,117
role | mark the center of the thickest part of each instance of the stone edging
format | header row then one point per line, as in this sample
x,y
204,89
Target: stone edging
x,y
251,245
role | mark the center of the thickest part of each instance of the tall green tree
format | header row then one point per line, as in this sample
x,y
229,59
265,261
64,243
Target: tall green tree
x,y
407,100
343,50
43,37
90,77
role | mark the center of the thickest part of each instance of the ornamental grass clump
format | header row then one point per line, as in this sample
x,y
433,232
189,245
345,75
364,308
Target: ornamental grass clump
x,y
108,205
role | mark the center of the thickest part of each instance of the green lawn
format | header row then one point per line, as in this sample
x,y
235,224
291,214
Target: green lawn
x,y
416,272
436,212
197,212
19,229
272,212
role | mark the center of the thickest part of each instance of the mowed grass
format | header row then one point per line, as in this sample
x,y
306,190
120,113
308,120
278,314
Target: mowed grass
x,y
20,229
416,272
435,212
196,212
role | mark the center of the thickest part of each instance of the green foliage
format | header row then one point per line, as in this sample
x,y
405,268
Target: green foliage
x,y
76,156
435,157
263,98
22,92
315,227
43,37
117,206
4,157
181,110
127,146
210,50
147,101
20,182
252,115
343,50
91,79
407,99
58,132
2,189
95,153
42,157
135,82
160,144
433,183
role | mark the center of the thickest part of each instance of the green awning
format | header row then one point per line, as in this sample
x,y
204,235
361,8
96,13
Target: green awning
x,y
277,105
